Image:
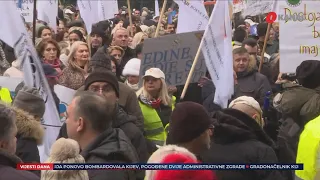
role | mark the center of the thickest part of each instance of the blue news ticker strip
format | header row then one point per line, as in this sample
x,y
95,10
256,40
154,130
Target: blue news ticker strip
x,y
179,166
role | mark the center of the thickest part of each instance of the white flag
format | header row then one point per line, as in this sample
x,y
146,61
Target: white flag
x,y
107,9
89,12
14,33
26,10
192,16
156,8
217,51
47,11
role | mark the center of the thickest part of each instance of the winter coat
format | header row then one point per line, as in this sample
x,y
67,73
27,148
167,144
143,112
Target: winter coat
x,y
298,102
111,146
239,139
271,47
253,84
129,101
72,78
30,134
126,123
14,70
8,165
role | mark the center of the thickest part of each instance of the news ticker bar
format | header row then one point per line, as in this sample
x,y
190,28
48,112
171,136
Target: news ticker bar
x,y
51,166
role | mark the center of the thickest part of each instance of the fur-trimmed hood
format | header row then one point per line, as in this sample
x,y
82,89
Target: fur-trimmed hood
x,y
28,126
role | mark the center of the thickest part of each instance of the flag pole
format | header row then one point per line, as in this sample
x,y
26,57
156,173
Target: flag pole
x,y
264,46
164,5
34,21
130,18
196,58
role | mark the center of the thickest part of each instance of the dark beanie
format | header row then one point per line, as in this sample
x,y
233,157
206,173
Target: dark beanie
x,y
29,100
188,121
308,73
107,76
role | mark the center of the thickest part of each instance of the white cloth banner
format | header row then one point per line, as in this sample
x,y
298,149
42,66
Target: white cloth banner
x,y
89,12
107,9
192,16
156,8
26,10
216,47
302,43
256,7
47,11
15,35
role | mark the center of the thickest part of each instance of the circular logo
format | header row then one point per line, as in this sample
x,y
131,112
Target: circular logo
x,y
293,3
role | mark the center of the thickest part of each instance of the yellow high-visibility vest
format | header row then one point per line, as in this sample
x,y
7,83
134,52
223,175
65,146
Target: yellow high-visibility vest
x,y
153,127
308,150
5,95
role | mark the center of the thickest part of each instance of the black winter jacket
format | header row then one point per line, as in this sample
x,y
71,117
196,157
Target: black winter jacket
x,y
112,146
239,139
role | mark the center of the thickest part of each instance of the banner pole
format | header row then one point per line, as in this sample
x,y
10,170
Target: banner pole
x,y
264,46
34,22
130,18
164,5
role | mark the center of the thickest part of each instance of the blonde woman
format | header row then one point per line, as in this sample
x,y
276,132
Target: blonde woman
x,y
156,106
73,75
138,38
117,52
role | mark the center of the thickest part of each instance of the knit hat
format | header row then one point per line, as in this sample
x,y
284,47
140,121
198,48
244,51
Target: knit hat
x,y
249,101
308,73
65,151
132,67
172,154
29,100
188,121
107,76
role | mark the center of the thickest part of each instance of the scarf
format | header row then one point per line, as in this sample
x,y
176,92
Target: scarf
x,y
4,64
155,103
135,87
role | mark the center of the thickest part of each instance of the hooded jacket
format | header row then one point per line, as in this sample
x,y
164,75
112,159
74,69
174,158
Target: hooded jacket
x,y
111,146
8,165
239,139
30,135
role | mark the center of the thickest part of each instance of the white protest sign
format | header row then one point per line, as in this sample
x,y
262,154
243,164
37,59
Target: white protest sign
x,y
26,9
156,8
216,47
238,5
89,12
256,7
174,55
15,35
107,9
302,43
47,11
192,16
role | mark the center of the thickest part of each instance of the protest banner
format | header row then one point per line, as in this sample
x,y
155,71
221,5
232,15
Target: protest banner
x,y
47,12
64,94
192,16
302,43
25,9
174,55
238,5
256,7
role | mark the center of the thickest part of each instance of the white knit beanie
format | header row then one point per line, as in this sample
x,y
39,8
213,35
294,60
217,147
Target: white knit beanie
x,y
132,68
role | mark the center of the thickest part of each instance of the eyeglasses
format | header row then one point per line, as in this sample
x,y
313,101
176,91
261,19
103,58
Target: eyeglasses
x,y
98,89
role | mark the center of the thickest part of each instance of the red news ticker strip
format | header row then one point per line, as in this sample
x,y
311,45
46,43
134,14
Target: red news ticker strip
x,y
35,166
271,17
